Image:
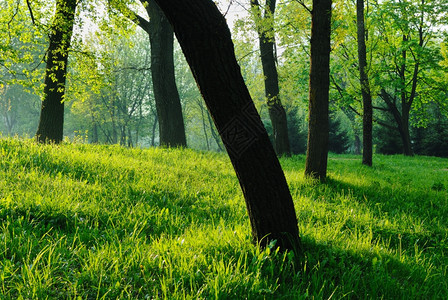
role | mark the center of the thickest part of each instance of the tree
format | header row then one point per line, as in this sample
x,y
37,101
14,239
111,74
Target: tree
x,y
168,105
338,140
367,147
109,89
205,40
408,56
51,123
432,140
318,124
404,58
19,111
266,37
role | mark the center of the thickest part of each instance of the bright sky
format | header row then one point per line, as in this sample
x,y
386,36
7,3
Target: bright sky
x,y
233,9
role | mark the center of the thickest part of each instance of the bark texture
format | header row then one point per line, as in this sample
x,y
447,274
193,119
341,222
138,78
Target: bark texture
x,y
318,124
51,122
367,144
169,109
205,40
166,95
277,112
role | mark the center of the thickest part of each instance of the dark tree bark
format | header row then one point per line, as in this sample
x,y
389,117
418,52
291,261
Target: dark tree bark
x,y
277,112
51,123
367,147
318,124
205,40
166,95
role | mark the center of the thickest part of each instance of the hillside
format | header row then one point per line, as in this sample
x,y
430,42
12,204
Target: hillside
x,y
106,222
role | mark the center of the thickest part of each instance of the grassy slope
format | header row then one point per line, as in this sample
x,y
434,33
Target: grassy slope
x,y
96,221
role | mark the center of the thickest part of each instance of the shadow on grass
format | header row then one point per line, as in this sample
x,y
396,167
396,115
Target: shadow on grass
x,y
364,275
150,213
384,202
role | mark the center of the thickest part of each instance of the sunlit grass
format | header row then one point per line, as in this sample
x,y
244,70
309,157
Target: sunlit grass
x,y
105,222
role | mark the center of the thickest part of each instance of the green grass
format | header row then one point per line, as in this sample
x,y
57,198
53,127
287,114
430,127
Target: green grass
x,y
103,222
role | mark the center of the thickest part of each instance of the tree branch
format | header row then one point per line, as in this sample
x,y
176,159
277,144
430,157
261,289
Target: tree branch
x,y
304,6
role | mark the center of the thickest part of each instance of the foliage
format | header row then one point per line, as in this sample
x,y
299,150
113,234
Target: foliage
x,y
89,221
433,139
338,141
111,88
23,42
19,111
387,139
297,131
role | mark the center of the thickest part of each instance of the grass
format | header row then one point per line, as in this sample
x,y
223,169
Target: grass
x,y
104,222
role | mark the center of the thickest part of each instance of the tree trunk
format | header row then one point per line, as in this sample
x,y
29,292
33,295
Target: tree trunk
x,y
401,119
367,148
95,133
405,133
204,128
51,123
154,126
214,134
205,40
318,124
166,95
277,112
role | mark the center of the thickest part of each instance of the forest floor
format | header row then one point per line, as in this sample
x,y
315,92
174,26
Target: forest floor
x,y
104,222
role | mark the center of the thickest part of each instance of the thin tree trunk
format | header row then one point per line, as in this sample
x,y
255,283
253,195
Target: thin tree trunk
x,y
318,124
51,123
154,126
277,112
130,144
214,134
205,40
203,126
367,148
94,133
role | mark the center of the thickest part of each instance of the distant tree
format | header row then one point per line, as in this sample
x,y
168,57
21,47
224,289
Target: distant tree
x,y
338,140
317,147
367,117
51,123
19,111
432,140
408,58
168,104
109,90
297,131
266,36
387,138
205,40
404,41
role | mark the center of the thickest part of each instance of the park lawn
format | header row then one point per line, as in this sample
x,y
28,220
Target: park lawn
x,y
85,221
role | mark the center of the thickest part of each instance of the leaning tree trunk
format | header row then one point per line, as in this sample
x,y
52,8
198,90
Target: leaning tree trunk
x,y
367,148
169,109
51,123
205,40
318,124
277,112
